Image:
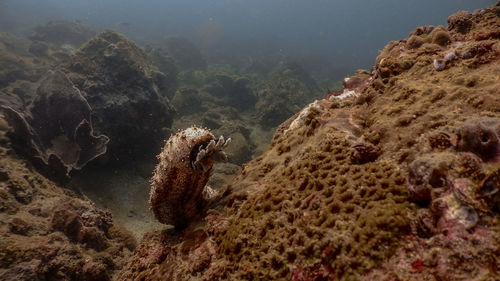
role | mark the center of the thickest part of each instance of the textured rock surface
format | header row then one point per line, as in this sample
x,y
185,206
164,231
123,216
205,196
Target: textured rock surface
x,y
179,188
49,233
457,191
118,81
334,196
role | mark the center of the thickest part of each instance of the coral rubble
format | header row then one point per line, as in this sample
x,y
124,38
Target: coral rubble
x,y
398,181
179,183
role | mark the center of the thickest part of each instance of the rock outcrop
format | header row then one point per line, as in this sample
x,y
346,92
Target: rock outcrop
x,y
49,232
397,180
109,80
21,70
118,80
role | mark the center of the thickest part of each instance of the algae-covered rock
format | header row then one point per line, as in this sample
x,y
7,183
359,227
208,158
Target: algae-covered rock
x,y
117,79
461,21
49,232
398,181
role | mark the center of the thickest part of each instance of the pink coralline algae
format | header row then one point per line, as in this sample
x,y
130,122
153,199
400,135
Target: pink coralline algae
x,y
459,184
455,187
351,86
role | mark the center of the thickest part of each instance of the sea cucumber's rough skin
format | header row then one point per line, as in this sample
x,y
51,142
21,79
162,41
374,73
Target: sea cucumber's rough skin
x,y
179,183
397,182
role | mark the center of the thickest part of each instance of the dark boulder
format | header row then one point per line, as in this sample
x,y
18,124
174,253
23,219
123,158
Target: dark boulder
x,y
118,81
56,131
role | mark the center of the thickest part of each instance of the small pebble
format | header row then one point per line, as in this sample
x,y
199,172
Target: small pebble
x,y
439,64
450,56
466,54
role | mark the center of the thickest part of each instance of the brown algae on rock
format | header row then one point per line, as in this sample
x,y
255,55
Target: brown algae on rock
x,y
399,181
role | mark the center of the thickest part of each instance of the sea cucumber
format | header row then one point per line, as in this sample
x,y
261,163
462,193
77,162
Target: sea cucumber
x,y
178,186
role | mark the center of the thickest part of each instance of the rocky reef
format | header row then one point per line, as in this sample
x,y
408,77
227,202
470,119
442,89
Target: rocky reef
x,y
51,233
111,94
60,109
393,178
396,176
56,133
120,83
184,52
243,105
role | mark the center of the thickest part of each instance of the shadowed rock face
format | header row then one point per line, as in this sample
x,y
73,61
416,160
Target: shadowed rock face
x,y
55,131
118,80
